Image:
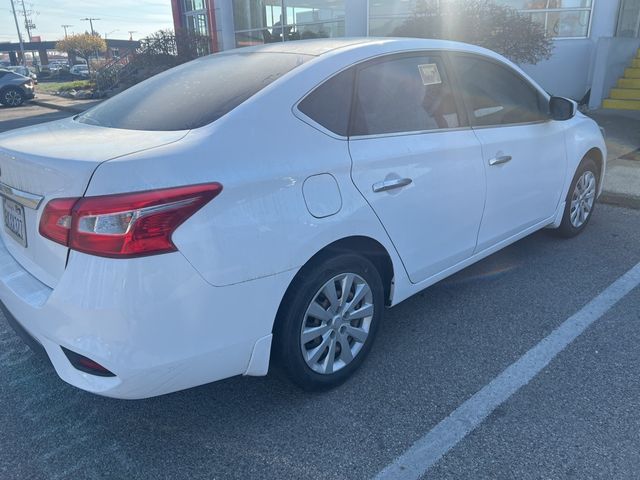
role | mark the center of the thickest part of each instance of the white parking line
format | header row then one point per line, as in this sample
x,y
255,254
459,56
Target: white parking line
x,y
443,437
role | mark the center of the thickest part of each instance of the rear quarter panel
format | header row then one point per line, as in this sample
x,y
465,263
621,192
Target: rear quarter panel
x,y
259,225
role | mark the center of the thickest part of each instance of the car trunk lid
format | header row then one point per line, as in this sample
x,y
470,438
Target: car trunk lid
x,y
55,160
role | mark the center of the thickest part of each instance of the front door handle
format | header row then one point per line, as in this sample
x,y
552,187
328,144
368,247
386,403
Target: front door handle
x,y
500,160
391,184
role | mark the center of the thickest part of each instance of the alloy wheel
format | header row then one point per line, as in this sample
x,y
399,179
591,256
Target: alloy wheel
x,y
13,98
583,198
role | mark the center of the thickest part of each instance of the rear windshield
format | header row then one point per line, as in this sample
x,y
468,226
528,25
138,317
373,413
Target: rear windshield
x,y
194,94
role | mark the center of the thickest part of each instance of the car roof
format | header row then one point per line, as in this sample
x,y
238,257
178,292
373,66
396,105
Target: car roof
x,y
313,47
317,47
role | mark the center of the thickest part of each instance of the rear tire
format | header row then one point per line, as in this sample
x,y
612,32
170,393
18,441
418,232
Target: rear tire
x,y
323,335
581,200
12,97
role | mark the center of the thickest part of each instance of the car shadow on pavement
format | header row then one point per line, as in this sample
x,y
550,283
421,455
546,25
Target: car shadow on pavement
x,y
14,122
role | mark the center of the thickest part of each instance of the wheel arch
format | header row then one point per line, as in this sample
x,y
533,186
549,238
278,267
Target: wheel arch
x,y
597,156
368,247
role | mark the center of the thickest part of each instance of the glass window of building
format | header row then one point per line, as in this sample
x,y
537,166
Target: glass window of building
x,y
269,21
386,15
629,19
560,18
191,5
196,21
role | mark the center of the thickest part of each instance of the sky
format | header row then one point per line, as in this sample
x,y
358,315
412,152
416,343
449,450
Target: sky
x,y
142,16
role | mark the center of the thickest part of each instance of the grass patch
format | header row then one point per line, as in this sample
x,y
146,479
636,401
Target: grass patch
x,y
52,87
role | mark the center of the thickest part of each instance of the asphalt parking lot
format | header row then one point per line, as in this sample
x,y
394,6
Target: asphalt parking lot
x,y
578,418
27,114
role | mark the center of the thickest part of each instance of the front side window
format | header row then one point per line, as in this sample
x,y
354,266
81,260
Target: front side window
x,y
404,94
194,94
495,94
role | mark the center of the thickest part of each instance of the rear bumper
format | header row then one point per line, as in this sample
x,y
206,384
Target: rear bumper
x,y
37,348
153,322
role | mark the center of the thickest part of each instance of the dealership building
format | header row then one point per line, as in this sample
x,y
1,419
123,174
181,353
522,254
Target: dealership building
x,y
594,40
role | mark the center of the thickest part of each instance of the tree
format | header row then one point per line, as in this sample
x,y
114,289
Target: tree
x,y
83,45
480,22
177,48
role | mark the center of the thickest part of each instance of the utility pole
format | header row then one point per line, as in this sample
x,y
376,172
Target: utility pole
x,y
29,25
93,32
65,29
27,20
15,17
131,32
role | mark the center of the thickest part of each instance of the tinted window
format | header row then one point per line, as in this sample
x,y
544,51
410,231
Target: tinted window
x,y
496,95
330,103
193,94
404,94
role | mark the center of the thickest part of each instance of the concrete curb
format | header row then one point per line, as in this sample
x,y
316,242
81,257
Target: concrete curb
x,y
620,200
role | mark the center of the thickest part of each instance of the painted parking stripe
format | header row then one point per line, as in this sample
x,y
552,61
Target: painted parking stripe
x,y
417,460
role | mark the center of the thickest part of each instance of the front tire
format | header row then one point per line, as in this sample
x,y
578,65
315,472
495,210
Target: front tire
x,y
12,97
581,200
329,320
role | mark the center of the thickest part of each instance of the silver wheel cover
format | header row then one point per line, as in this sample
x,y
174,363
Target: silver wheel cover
x,y
336,323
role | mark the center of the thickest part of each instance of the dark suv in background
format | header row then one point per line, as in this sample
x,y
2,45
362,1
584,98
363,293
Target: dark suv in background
x,y
15,88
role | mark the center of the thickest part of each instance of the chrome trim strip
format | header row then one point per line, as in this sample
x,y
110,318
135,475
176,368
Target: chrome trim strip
x,y
26,199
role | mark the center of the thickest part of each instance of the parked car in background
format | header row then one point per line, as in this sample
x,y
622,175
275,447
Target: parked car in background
x,y
80,70
15,88
25,72
148,246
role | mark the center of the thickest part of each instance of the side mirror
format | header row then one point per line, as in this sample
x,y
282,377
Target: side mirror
x,y
562,108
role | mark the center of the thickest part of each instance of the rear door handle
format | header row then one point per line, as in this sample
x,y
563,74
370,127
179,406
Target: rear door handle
x,y
500,160
391,184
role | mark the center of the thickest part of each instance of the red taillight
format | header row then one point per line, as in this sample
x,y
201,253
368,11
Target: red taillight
x,y
124,225
55,222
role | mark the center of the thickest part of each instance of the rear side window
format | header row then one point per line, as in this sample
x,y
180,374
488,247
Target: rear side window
x,y
194,94
330,103
404,94
496,95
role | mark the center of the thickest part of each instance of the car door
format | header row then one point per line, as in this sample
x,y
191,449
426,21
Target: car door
x,y
416,161
523,150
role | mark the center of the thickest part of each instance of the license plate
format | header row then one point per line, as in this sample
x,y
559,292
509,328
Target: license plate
x,y
14,222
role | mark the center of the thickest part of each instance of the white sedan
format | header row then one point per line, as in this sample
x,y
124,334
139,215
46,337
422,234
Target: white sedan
x,y
267,204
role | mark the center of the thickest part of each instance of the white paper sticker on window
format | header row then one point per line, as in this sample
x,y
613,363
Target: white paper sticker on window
x,y
430,74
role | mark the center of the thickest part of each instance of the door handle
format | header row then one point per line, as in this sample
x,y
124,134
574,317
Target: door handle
x,y
500,160
391,184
